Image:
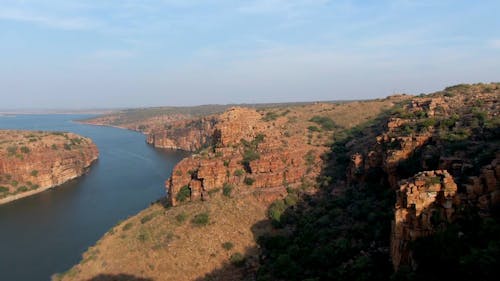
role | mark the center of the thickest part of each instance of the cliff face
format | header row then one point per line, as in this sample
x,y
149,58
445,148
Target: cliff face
x,y
248,155
430,200
440,154
31,162
189,134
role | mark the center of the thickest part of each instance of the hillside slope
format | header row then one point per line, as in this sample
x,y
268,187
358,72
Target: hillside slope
x,y
405,188
250,159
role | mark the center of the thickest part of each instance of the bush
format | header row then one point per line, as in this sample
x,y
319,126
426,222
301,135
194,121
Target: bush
x,y
276,210
54,146
291,199
227,189
67,146
239,172
12,150
313,129
237,259
250,155
433,180
25,149
34,173
270,116
309,157
180,218
127,226
201,219
227,246
3,189
326,123
147,218
249,181
184,193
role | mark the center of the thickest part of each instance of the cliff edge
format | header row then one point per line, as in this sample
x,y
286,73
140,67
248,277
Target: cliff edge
x,y
33,161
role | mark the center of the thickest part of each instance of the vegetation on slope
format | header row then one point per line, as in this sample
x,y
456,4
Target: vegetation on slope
x,y
343,232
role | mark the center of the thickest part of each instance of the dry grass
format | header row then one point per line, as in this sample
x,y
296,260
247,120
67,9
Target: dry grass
x,y
166,248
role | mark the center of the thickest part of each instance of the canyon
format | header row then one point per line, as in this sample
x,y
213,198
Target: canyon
x,y
371,178
34,161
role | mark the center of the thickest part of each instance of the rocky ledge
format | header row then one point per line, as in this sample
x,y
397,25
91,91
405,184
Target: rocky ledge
x,y
33,161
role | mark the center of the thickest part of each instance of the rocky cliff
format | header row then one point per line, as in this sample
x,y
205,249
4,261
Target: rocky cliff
x,y
440,154
33,161
246,154
188,134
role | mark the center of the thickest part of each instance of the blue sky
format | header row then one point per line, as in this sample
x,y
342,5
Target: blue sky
x,y
124,53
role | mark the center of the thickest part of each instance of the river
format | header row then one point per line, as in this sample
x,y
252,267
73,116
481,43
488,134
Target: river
x,y
47,233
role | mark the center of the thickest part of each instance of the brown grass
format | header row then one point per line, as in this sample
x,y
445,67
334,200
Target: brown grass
x,y
163,248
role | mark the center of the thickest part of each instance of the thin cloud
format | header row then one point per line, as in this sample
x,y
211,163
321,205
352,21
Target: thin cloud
x,y
495,43
111,54
76,23
280,6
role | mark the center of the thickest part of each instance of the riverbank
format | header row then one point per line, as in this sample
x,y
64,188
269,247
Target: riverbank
x,y
34,161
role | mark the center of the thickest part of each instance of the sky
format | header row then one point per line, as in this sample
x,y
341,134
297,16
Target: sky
x,y
71,54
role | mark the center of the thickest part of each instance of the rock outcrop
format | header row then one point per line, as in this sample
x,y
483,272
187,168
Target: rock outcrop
x,y
189,134
249,155
432,152
31,162
422,202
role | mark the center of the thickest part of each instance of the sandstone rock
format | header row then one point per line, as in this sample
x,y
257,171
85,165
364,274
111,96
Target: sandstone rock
x,y
36,161
419,199
279,163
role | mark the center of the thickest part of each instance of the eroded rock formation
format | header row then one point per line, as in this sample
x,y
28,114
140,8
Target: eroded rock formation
x,y
432,152
249,155
31,162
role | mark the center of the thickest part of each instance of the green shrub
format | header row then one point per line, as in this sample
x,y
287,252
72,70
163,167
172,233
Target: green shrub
x,y
25,149
313,129
227,246
22,189
237,259
54,146
326,123
184,193
433,180
14,183
291,199
12,150
67,146
148,217
201,219
250,155
180,218
239,172
127,226
227,189
3,189
249,181
276,210
309,157
270,116
34,173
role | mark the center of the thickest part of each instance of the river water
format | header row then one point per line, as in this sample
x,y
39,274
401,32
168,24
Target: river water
x,y
47,233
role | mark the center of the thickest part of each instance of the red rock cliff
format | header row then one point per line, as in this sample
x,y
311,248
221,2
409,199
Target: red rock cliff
x,y
249,155
432,153
31,162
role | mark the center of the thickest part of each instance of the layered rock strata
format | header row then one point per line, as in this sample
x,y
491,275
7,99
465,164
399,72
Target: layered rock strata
x,y
31,162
